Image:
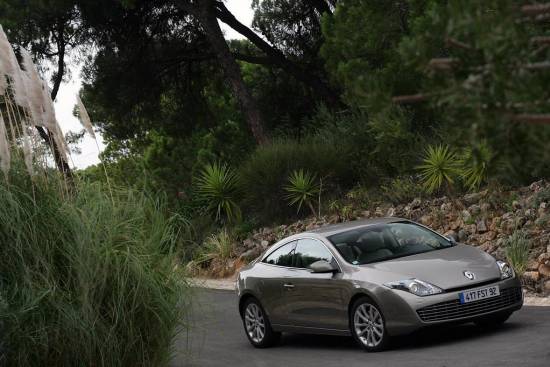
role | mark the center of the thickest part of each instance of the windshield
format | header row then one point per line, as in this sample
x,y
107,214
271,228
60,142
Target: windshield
x,y
387,241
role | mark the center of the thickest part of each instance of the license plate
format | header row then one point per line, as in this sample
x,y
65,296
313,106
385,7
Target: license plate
x,y
479,294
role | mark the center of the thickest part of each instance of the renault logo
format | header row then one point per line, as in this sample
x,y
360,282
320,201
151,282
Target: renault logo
x,y
469,275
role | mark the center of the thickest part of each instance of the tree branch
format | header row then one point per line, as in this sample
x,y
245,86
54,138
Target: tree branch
x,y
276,56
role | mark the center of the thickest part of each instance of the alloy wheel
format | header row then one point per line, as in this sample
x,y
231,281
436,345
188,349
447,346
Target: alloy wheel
x,y
368,325
254,322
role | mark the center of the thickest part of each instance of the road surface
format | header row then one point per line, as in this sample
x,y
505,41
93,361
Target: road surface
x,y
216,338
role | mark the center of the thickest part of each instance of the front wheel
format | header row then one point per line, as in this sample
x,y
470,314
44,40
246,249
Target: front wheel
x,y
368,326
493,321
257,326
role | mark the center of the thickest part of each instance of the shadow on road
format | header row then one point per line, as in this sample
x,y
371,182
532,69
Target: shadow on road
x,y
425,338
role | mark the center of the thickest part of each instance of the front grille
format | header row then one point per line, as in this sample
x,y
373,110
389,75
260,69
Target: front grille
x,y
451,310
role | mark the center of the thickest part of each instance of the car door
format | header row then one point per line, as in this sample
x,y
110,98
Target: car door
x,y
276,269
315,300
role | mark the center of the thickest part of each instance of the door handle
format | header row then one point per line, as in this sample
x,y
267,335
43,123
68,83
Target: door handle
x,y
288,285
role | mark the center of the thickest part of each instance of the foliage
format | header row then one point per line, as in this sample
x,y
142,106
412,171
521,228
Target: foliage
x,y
265,173
517,251
302,189
475,162
440,167
86,280
217,185
541,197
402,189
218,246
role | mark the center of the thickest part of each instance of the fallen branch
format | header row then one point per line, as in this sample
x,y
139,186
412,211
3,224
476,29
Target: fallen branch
x,y
543,65
412,98
442,63
532,118
452,42
535,9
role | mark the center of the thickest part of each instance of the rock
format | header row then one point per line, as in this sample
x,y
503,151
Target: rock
x,y
547,286
250,254
248,243
533,276
455,225
544,257
264,244
466,216
544,270
472,198
532,265
474,209
415,203
451,234
516,205
485,207
378,212
426,220
446,207
488,236
462,235
391,212
481,226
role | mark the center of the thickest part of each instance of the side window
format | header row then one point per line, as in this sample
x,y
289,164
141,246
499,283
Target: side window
x,y
309,251
282,256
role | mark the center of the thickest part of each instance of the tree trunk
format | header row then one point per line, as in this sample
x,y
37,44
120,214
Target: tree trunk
x,y
278,58
46,135
205,12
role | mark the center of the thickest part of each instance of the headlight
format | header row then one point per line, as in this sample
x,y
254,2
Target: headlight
x,y
506,270
415,286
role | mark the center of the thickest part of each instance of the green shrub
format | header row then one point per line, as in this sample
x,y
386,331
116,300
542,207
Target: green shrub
x,y
302,189
266,171
517,251
218,246
475,163
440,167
402,189
86,280
217,186
541,197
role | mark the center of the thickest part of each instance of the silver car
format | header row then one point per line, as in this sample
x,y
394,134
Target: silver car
x,y
372,279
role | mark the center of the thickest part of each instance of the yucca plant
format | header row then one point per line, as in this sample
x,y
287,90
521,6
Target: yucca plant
x,y
218,187
302,189
440,168
475,165
517,251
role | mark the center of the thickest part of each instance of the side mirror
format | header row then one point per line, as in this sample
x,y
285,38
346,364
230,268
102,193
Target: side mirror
x,y
322,266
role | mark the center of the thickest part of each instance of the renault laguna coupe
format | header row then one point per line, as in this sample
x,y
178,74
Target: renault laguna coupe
x,y
372,280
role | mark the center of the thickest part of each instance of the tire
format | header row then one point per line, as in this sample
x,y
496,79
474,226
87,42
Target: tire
x,y
492,321
368,326
257,326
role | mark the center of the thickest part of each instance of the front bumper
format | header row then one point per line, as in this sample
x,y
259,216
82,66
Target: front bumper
x,y
405,312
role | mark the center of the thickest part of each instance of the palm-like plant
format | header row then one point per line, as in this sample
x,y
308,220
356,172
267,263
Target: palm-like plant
x,y
218,186
475,164
440,167
302,189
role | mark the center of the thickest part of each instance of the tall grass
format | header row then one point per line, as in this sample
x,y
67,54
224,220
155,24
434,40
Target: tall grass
x,y
517,251
86,281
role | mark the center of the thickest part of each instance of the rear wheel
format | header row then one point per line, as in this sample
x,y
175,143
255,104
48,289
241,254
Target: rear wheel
x,y
257,326
493,321
368,326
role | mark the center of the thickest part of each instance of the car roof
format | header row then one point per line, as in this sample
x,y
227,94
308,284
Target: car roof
x,y
332,229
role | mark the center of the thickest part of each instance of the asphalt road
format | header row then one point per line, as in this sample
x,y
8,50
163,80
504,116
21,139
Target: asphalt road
x,y
216,338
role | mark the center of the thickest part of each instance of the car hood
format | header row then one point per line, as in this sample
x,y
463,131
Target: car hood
x,y
444,268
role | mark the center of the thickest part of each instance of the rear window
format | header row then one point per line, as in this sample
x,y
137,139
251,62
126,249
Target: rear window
x,y
385,242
